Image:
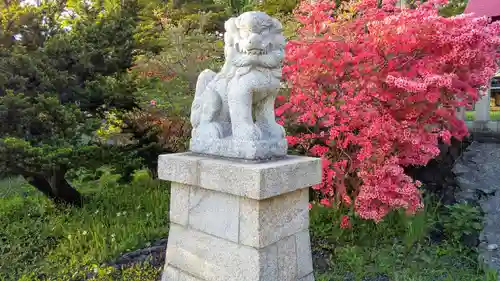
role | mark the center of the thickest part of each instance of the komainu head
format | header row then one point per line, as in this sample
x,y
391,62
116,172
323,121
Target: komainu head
x,y
254,38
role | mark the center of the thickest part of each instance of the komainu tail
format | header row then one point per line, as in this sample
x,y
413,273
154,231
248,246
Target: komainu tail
x,y
204,79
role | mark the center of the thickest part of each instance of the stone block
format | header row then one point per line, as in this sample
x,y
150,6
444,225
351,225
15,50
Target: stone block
x,y
210,258
234,148
267,221
255,180
214,212
287,259
171,273
492,126
239,221
309,277
179,203
304,255
178,168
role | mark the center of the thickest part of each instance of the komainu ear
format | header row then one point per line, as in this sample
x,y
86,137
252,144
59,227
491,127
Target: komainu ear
x,y
277,25
279,40
236,22
231,31
230,25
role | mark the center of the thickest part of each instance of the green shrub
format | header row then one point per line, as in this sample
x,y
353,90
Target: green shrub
x,y
204,16
462,219
171,75
165,89
154,134
400,247
204,21
273,7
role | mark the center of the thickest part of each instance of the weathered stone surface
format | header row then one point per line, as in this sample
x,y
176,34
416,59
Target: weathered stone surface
x,y
210,258
267,221
171,273
246,221
304,261
226,103
178,168
235,148
492,247
252,180
309,277
214,213
287,259
179,203
478,175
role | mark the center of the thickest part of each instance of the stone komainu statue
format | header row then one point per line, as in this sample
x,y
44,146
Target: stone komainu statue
x,y
233,111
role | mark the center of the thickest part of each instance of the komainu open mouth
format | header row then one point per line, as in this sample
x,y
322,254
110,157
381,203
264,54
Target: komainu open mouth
x,y
252,51
255,52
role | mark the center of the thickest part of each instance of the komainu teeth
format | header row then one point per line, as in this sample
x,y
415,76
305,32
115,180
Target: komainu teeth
x,y
254,52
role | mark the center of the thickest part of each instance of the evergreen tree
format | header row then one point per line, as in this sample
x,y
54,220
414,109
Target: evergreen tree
x,y
56,84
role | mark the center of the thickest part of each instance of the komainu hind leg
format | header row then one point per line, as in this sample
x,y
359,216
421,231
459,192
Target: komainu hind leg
x,y
206,107
204,79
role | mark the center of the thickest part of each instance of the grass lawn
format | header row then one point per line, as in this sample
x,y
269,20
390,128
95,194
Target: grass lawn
x,y
494,115
40,239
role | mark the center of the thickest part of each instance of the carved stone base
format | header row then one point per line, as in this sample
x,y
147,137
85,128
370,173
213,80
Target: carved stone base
x,y
234,221
251,150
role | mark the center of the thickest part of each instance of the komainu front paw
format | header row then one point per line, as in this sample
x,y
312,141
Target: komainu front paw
x,y
272,130
276,131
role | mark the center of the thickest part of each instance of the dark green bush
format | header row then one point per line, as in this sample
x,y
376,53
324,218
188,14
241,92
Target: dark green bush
x,y
206,17
274,7
55,88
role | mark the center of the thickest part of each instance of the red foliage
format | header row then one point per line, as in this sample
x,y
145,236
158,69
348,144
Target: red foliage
x,y
164,77
376,91
345,222
168,133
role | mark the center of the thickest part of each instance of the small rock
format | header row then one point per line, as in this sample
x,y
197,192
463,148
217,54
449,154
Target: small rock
x,y
377,277
470,240
349,276
161,242
492,247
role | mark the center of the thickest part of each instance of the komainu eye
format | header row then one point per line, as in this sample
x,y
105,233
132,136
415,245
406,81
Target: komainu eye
x,y
244,33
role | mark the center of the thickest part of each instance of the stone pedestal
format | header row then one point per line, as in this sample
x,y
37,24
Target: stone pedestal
x,y
238,221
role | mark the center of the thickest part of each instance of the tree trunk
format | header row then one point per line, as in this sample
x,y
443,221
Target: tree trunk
x,y
57,188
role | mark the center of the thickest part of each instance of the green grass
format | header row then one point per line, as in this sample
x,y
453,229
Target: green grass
x,y
13,186
494,115
399,247
38,239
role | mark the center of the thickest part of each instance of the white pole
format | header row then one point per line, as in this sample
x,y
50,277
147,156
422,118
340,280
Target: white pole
x,y
483,107
401,4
